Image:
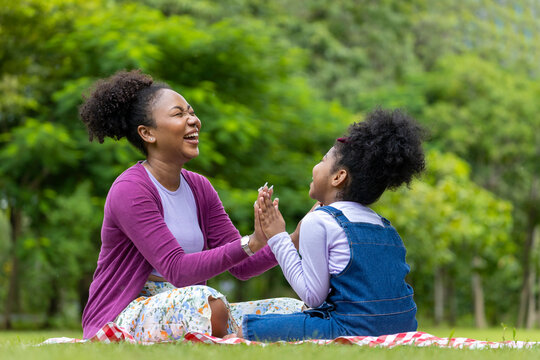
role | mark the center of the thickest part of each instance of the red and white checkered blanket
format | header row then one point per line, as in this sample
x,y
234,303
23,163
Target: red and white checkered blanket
x,y
113,333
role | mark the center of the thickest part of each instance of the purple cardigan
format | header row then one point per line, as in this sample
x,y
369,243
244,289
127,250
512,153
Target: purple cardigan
x,y
136,239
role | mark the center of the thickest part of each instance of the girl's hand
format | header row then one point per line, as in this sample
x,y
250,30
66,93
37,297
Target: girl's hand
x,y
270,217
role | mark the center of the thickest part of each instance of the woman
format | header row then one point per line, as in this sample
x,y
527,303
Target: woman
x,y
164,231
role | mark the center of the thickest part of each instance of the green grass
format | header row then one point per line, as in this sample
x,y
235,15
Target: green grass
x,y
489,334
20,345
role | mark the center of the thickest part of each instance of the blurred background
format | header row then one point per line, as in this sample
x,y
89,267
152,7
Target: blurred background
x,y
274,82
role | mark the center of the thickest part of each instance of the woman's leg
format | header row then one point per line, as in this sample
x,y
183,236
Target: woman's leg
x,y
263,307
170,314
220,316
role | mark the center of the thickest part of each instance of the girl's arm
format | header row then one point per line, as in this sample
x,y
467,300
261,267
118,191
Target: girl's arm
x,y
308,275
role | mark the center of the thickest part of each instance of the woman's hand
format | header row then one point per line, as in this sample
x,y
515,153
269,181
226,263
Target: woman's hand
x,y
258,239
270,217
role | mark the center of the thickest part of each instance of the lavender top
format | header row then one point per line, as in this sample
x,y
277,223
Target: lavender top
x,y
135,239
323,248
180,215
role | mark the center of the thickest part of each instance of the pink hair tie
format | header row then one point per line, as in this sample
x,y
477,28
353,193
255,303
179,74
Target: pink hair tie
x,y
343,139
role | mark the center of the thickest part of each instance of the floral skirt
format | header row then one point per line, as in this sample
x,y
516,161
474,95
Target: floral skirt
x,y
163,312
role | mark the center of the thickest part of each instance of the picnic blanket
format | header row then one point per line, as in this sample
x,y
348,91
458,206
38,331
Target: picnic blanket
x,y
111,333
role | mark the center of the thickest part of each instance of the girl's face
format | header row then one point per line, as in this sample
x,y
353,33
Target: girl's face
x,y
321,188
177,127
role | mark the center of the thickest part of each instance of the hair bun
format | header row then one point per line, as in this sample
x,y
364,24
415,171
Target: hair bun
x,y
382,152
106,110
395,142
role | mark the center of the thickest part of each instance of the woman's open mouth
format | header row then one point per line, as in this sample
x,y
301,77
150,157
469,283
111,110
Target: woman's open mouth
x,y
192,138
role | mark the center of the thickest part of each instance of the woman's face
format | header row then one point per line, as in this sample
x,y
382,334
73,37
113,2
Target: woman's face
x,y
177,128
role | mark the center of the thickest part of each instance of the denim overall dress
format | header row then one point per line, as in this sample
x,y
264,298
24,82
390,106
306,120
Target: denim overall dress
x,y
369,297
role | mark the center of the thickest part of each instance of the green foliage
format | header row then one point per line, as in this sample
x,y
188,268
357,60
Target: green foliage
x,y
65,248
351,45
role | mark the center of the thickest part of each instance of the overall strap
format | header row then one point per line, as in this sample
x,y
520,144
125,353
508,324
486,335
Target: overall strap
x,y
385,221
337,214
342,219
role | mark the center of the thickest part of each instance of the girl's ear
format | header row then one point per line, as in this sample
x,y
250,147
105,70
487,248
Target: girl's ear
x,y
146,133
340,178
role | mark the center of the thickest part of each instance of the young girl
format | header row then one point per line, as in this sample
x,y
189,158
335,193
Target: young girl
x,y
350,268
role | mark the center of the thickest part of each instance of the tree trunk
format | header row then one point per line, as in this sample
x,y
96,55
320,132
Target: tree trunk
x,y
527,290
531,314
533,310
439,295
478,295
54,304
538,298
451,297
83,288
12,298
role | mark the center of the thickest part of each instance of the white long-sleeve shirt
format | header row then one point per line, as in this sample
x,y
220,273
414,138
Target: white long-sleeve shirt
x,y
323,250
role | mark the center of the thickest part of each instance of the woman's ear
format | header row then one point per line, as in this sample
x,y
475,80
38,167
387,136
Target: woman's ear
x,y
146,133
340,178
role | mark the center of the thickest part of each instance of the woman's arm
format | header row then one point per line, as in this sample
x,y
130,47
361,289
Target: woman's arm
x,y
136,213
220,231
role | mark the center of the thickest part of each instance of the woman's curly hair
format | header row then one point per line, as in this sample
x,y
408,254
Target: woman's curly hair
x,y
118,105
382,152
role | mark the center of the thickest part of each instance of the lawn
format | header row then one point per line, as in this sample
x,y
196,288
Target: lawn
x,y
19,345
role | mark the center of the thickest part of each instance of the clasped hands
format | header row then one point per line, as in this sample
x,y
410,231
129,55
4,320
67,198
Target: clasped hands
x,y
267,213
268,219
